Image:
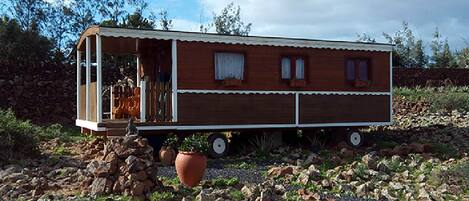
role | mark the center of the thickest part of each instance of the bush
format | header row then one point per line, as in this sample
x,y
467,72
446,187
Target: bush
x,y
17,137
195,143
451,101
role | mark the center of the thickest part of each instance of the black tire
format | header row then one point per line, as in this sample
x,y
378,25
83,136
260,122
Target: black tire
x,y
218,145
354,138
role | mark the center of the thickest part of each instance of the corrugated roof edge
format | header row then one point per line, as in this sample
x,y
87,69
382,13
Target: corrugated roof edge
x,y
246,40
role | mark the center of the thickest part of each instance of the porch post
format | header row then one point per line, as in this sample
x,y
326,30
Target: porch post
x,y
111,105
142,101
78,83
88,77
174,81
138,70
99,83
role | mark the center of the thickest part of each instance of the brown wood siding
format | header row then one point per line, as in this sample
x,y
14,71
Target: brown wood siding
x,y
344,108
92,101
324,68
235,109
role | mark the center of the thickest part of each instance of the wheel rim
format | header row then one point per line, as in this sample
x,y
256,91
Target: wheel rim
x,y
219,146
355,138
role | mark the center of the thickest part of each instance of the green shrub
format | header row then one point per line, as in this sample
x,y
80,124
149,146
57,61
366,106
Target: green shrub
x,y
236,195
451,101
457,174
17,138
262,144
162,196
222,182
195,143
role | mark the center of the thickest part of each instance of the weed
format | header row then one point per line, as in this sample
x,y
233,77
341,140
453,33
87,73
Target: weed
x,y
242,165
292,196
169,181
162,196
61,150
236,195
444,150
222,182
457,174
263,144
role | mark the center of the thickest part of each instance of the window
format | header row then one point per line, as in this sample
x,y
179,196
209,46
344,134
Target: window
x,y
299,67
229,65
286,68
357,69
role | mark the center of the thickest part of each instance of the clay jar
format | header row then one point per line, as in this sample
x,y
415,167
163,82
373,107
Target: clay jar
x,y
190,167
167,155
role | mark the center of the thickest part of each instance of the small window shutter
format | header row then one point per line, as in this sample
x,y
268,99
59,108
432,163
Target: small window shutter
x,y
300,69
229,65
350,73
363,70
286,68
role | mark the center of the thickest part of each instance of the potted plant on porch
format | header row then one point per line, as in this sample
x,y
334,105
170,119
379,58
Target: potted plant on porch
x,y
167,153
191,160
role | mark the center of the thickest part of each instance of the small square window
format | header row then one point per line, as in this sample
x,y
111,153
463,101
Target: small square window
x,y
357,69
229,65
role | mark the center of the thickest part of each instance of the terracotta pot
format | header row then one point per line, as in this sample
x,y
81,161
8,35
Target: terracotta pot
x,y
190,167
167,155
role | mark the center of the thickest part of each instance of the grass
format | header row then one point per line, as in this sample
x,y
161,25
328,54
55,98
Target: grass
x,y
241,165
440,98
169,181
444,150
61,150
162,196
457,174
236,195
223,182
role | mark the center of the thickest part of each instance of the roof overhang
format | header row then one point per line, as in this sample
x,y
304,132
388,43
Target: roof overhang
x,y
229,39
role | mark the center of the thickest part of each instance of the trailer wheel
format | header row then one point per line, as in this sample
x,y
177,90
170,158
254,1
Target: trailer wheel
x,y
355,138
218,145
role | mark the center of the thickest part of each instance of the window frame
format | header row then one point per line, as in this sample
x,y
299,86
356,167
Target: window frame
x,y
356,61
293,58
214,65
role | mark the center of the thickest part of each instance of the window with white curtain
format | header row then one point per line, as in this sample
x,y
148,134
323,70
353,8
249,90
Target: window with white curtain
x,y
229,65
300,69
286,68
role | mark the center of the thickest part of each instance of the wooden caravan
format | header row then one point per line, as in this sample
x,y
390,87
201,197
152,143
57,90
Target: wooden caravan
x,y
199,81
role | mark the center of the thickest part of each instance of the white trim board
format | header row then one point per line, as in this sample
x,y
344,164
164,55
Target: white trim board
x,y
89,125
257,126
183,91
243,40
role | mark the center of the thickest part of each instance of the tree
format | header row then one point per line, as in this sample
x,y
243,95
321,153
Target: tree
x,y
113,10
365,38
229,22
136,20
28,13
407,51
462,56
441,52
165,22
22,46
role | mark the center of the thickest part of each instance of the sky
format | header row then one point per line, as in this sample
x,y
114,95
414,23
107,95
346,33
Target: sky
x,y
331,19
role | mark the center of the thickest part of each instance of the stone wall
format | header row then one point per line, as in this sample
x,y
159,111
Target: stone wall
x,y
411,77
43,93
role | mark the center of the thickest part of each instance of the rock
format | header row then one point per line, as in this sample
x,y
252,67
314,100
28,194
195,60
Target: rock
x,y
250,191
137,188
313,158
280,171
98,187
266,195
386,152
371,160
345,152
279,189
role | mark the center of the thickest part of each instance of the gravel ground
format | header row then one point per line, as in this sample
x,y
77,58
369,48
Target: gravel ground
x,y
244,175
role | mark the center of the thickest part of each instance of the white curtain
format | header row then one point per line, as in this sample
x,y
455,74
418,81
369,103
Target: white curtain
x,y
229,65
286,68
300,69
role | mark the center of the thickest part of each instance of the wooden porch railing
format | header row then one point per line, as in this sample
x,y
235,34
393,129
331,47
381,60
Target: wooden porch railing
x,y
160,102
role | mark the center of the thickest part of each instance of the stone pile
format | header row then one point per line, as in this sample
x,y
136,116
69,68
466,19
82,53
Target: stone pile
x,y
126,167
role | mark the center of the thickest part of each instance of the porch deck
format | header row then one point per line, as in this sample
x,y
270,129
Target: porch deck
x,y
117,127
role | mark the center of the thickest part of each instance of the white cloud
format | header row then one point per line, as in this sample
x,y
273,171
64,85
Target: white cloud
x,y
342,20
